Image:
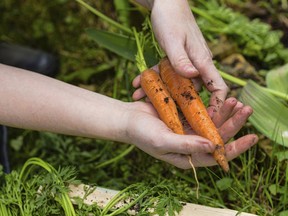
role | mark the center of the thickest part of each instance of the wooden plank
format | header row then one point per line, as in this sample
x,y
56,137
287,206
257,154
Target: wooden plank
x,y
197,210
102,196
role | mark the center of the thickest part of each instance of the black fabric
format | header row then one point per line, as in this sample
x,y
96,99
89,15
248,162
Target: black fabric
x,y
29,59
4,158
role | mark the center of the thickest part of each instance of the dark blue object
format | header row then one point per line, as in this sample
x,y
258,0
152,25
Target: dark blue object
x,y
4,159
29,59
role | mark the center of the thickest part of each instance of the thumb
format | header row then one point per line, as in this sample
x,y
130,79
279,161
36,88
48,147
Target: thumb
x,y
188,144
180,61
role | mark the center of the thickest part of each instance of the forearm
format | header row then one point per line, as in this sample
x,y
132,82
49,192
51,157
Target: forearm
x,y
32,101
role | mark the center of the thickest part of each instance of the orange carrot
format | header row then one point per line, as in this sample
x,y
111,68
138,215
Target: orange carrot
x,y
159,96
183,92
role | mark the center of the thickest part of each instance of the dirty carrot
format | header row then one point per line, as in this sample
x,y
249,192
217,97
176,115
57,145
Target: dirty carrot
x,y
156,90
159,96
183,92
165,106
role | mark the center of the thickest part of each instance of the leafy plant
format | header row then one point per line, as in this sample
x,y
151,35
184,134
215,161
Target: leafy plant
x,y
41,194
277,79
255,39
269,115
34,192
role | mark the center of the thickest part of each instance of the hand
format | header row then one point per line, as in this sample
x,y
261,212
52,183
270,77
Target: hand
x,y
180,37
150,134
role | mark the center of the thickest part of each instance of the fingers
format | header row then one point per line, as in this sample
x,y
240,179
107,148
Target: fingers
x,y
238,106
179,59
178,160
177,151
138,94
239,146
136,82
224,112
238,117
192,66
233,150
197,83
201,57
187,144
235,123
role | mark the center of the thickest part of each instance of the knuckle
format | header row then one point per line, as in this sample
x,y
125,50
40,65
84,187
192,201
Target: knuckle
x,y
157,146
225,88
180,62
188,146
202,61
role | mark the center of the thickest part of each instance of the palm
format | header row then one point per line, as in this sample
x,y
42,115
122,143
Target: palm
x,y
229,120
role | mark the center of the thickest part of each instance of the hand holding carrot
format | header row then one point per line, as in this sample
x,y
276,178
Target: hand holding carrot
x,y
67,109
181,39
175,87
151,135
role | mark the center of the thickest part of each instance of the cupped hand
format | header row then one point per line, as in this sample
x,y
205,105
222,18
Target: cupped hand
x,y
179,36
150,134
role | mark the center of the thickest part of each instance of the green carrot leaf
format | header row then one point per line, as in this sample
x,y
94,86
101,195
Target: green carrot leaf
x,y
140,60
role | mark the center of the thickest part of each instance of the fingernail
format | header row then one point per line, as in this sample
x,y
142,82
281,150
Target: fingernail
x,y
209,147
254,139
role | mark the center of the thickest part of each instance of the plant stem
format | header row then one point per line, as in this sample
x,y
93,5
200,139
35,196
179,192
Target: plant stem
x,y
123,154
105,18
3,210
232,78
207,17
243,83
117,198
276,93
63,199
126,207
140,60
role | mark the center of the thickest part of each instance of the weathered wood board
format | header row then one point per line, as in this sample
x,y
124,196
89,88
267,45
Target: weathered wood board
x,y
102,196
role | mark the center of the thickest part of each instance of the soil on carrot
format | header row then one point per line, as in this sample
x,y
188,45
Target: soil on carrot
x,y
187,95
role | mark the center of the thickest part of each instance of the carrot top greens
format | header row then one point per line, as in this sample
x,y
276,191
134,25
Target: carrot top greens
x,y
50,186
140,60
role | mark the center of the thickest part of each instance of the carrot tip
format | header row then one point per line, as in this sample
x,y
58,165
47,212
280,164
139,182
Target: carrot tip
x,y
225,167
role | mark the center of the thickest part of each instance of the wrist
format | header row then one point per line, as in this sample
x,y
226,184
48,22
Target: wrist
x,y
130,125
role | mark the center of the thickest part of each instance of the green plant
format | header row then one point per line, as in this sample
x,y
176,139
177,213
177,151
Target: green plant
x,y
26,193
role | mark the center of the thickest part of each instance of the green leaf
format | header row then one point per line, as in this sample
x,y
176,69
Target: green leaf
x,y
84,74
283,213
282,155
277,79
17,143
224,183
122,45
123,11
269,116
273,189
